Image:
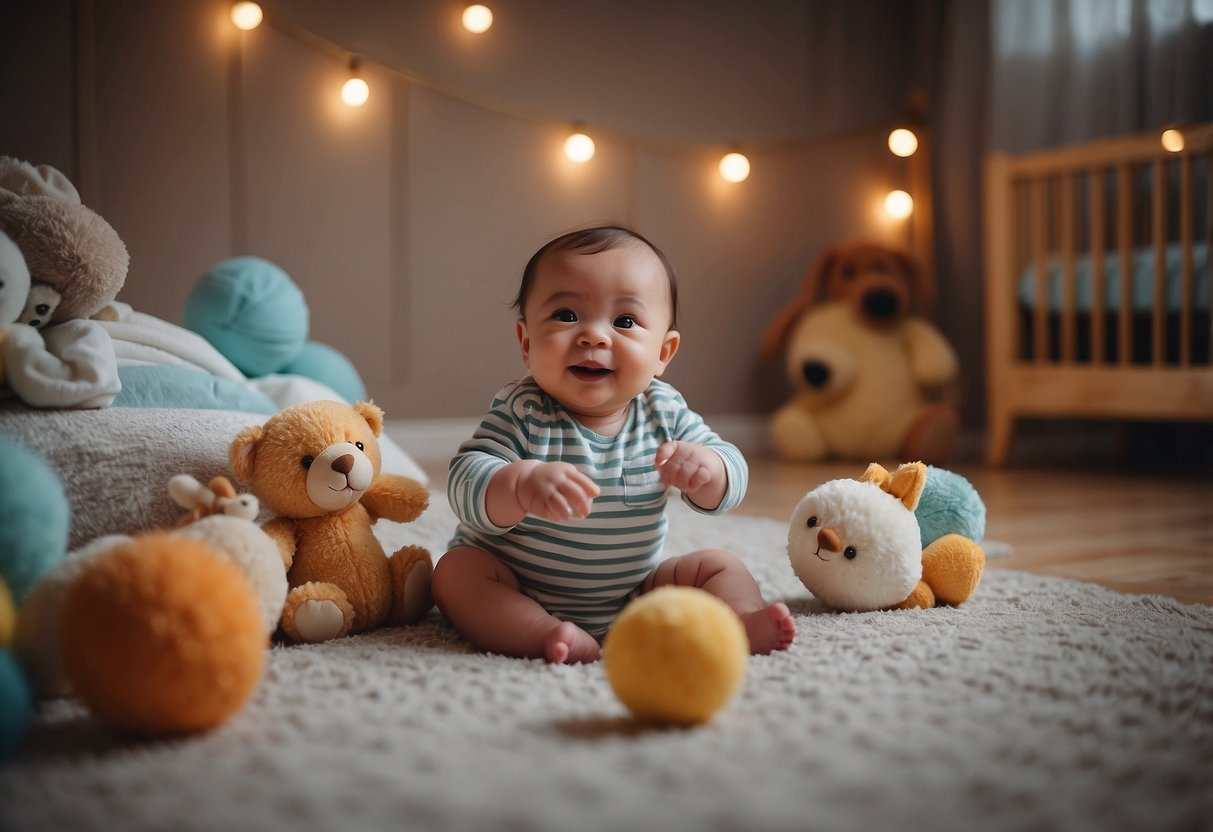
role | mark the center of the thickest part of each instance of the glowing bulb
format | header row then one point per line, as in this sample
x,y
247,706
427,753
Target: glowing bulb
x,y
579,148
246,15
903,142
1172,140
898,205
355,92
477,18
734,167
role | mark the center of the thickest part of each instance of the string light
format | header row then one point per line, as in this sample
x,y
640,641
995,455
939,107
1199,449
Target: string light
x,y
898,205
734,167
247,15
1172,140
579,147
355,91
903,142
477,18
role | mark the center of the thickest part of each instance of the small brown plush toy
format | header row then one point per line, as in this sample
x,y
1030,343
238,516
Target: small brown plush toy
x,y
317,467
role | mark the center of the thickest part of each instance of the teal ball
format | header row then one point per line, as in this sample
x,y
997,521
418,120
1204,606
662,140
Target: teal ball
x,y
252,312
16,704
35,517
324,364
949,505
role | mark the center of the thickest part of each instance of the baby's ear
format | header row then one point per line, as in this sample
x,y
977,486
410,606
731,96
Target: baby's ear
x,y
908,482
242,452
373,415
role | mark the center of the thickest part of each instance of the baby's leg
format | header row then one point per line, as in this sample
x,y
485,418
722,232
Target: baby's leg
x,y
769,627
480,596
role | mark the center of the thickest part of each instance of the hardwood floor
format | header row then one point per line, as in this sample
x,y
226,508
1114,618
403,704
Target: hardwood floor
x,y
1132,533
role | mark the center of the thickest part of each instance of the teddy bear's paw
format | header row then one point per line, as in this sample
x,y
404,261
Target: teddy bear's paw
x,y
412,568
796,435
316,612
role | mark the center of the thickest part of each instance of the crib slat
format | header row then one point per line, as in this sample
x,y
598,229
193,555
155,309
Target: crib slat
x,y
1067,273
1040,311
1159,233
1185,245
1097,265
1124,235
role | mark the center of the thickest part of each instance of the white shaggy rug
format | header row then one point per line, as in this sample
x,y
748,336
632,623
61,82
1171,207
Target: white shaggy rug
x,y
1040,704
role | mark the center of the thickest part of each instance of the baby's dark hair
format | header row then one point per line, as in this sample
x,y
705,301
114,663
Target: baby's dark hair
x,y
592,241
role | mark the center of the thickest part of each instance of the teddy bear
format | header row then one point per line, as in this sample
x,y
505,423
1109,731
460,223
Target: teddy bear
x,y
859,545
872,376
316,467
76,264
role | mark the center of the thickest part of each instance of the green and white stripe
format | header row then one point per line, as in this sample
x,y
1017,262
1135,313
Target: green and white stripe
x,y
585,570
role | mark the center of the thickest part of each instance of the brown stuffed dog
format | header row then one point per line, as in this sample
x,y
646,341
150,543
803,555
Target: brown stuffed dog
x,y
870,374
317,467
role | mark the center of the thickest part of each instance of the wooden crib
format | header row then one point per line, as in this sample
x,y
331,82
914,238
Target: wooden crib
x,y
1067,336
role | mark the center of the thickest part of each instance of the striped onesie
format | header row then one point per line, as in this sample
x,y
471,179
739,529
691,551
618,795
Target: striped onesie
x,y
581,570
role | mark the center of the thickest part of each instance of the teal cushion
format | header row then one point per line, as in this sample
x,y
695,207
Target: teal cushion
x,y
325,364
162,385
251,311
16,704
1141,289
34,517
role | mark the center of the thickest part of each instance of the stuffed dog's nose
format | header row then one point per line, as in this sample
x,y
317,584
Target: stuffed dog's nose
x,y
815,373
829,540
881,305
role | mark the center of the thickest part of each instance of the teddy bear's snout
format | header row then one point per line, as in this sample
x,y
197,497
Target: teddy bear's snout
x,y
816,373
881,305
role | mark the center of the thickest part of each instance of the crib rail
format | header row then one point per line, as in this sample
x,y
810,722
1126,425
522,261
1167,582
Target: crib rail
x,y
1094,258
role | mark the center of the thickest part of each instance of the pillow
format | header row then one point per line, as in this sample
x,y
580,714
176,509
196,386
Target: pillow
x,y
165,385
251,311
325,364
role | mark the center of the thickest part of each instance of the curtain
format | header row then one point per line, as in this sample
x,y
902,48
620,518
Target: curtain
x,y
1065,71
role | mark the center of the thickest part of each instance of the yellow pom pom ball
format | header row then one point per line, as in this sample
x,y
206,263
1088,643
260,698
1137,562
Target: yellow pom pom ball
x,y
161,635
676,654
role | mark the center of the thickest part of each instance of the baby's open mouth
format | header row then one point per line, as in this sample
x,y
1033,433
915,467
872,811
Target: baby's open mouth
x,y
589,372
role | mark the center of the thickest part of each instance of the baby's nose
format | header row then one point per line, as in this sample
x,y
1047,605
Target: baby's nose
x,y
829,540
594,335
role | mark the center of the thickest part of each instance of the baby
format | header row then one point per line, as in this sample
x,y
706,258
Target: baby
x,y
561,492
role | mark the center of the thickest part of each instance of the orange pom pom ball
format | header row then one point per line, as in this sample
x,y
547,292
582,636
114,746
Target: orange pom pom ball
x,y
162,636
676,654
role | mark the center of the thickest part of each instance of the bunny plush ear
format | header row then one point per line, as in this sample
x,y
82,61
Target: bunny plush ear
x,y
23,179
906,483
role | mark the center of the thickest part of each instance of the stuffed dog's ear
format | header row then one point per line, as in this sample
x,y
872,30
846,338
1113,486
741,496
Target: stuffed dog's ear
x,y
922,285
242,451
373,415
776,336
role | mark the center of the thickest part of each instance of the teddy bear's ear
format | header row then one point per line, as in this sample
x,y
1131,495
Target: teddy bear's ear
x,y
908,482
373,415
877,475
240,454
922,286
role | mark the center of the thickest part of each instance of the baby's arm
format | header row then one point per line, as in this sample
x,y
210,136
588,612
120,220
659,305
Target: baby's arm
x,y
549,490
697,471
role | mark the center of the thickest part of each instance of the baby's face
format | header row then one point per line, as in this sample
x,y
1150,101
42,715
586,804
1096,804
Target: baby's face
x,y
596,331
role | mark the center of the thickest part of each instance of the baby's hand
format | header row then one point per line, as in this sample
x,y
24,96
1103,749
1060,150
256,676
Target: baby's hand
x,y
555,491
692,468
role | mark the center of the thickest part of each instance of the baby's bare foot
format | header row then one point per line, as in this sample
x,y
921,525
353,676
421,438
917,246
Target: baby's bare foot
x,y
569,644
769,629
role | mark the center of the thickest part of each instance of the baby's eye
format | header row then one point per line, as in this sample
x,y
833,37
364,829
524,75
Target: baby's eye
x,y
625,322
567,316
811,522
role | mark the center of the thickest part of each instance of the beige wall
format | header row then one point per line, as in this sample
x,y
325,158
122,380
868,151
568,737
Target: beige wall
x,y
407,222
